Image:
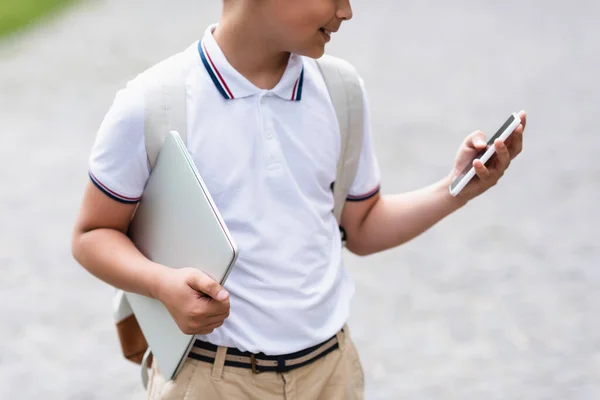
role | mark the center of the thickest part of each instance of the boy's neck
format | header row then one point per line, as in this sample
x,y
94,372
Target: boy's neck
x,y
249,50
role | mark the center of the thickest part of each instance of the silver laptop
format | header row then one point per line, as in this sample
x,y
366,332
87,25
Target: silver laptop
x,y
178,225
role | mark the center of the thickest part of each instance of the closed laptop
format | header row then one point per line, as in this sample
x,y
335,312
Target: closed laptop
x,y
177,225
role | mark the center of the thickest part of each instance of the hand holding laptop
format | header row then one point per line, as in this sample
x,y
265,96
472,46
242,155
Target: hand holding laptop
x,y
197,303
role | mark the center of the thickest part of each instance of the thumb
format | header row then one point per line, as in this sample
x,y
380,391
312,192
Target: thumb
x,y
201,282
476,140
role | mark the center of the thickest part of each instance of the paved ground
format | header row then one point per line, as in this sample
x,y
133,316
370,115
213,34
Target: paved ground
x,y
499,301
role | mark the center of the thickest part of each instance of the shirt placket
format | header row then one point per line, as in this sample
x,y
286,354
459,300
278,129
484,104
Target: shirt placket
x,y
268,134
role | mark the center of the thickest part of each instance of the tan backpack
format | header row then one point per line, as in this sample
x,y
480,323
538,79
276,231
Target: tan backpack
x,y
165,97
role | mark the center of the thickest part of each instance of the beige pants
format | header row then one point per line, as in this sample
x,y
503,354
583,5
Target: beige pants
x,y
337,376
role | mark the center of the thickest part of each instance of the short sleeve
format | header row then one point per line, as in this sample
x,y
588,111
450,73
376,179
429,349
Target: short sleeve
x,y
367,182
118,162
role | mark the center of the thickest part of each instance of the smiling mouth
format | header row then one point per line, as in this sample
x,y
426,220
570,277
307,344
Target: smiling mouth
x,y
326,33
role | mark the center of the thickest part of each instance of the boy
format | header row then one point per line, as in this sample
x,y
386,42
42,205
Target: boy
x,y
264,136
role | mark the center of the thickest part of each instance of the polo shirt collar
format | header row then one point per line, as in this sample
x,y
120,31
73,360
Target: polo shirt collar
x,y
233,85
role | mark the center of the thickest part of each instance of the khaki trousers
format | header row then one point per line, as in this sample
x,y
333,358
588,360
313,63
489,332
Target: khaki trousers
x,y
337,376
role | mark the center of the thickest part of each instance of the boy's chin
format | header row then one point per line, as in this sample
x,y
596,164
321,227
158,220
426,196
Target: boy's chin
x,y
313,52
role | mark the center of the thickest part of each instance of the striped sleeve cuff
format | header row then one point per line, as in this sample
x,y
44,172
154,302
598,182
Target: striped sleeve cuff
x,y
365,196
112,194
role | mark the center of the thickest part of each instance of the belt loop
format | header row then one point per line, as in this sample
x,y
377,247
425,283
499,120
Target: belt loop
x,y
280,364
253,364
217,372
341,338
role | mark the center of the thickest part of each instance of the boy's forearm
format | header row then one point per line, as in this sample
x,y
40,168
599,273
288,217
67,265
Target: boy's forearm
x,y
111,256
396,219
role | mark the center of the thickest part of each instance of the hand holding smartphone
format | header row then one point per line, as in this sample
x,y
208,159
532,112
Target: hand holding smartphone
x,y
468,172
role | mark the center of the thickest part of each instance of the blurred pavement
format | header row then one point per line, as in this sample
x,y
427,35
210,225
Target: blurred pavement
x,y
498,301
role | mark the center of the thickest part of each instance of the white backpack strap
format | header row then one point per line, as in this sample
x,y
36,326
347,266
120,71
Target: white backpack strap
x,y
165,110
345,91
145,367
165,97
166,105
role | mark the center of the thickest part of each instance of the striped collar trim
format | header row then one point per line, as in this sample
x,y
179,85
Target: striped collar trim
x,y
297,91
233,85
214,73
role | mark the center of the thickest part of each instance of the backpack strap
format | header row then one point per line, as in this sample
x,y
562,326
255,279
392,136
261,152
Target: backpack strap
x,y
164,90
165,111
165,98
346,94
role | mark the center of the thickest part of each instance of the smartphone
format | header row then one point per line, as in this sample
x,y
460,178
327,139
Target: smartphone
x,y
484,155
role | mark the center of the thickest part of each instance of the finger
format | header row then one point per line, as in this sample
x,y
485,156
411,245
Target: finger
x,y
502,154
216,318
207,329
201,282
476,140
523,116
515,142
207,307
216,307
482,172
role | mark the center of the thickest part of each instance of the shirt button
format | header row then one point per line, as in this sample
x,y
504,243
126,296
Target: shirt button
x,y
269,134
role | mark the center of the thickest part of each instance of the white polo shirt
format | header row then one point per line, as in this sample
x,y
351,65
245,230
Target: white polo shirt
x,y
268,158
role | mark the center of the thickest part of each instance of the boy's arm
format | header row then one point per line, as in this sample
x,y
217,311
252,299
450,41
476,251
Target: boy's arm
x,y
101,246
384,222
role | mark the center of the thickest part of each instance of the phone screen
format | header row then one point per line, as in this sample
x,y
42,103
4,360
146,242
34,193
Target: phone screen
x,y
482,152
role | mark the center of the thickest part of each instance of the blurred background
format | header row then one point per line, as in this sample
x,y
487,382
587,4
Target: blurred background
x,y
498,301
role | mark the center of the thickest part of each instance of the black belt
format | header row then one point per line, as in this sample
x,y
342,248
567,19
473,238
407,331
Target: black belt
x,y
261,362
